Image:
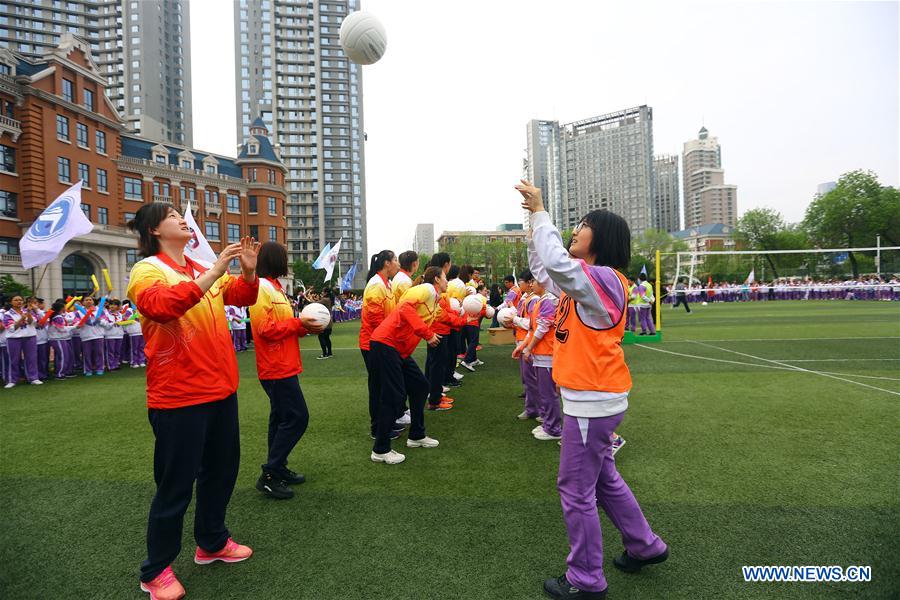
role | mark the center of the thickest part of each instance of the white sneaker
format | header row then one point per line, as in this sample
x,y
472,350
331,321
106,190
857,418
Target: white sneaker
x,y
457,376
9,385
404,420
135,366
445,388
389,458
544,436
536,429
478,362
36,382
425,442
469,366
523,416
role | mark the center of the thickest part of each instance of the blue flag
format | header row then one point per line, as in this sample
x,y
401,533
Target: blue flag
x,y
347,280
318,262
644,270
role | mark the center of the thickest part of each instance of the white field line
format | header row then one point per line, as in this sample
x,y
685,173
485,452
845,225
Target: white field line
x,y
793,360
800,369
815,339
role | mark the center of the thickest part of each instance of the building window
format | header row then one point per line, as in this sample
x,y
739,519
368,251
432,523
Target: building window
x,y
233,203
81,135
271,176
9,246
63,171
188,193
161,158
187,164
88,99
7,159
273,234
252,205
76,275
160,189
84,174
62,128
234,233
131,256
86,209
273,207
68,90
134,189
102,215
100,141
254,232
8,206
212,231
251,174
101,180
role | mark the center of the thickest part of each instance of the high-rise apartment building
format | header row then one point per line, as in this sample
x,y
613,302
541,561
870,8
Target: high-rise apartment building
x,y
141,46
423,241
291,71
666,208
707,198
542,166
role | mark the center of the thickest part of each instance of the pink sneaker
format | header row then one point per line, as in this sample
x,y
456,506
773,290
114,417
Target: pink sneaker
x,y
231,553
164,587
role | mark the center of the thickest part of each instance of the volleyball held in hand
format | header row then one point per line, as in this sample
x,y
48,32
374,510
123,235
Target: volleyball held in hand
x,y
363,38
472,305
489,311
455,305
505,316
317,314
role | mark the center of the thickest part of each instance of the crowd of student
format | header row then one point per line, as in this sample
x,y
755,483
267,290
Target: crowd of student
x,y
863,288
82,335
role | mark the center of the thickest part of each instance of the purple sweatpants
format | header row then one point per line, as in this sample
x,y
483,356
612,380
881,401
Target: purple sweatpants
x,y
240,339
646,320
92,355
631,319
77,359
63,361
532,403
549,401
137,350
126,348
588,478
43,361
17,348
113,352
4,364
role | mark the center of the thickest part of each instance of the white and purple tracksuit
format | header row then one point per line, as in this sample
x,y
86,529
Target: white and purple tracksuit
x,y
92,346
4,357
548,400
112,338
43,346
21,346
587,471
136,341
526,369
59,332
236,316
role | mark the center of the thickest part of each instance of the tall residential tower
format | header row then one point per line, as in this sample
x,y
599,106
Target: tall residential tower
x,y
142,47
707,198
291,72
666,208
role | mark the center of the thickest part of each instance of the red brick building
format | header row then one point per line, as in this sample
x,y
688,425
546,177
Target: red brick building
x,y
57,126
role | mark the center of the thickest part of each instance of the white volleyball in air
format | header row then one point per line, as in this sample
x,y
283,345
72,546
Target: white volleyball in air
x,y
489,311
317,313
363,38
472,305
505,316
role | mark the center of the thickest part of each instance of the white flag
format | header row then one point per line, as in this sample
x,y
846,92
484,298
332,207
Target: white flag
x,y
197,248
59,223
330,260
751,277
317,264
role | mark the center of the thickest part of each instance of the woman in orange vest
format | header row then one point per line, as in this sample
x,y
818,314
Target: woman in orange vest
x,y
192,381
275,334
594,381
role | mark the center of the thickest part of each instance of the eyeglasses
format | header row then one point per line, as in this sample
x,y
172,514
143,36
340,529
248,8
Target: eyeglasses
x,y
579,227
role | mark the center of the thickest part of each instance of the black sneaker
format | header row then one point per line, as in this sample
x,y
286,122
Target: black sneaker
x,y
562,589
273,487
630,564
289,477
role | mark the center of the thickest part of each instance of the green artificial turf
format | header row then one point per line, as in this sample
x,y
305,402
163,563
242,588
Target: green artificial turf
x,y
744,462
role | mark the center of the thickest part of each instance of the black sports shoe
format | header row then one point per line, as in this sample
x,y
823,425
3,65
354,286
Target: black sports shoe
x,y
630,564
289,477
562,589
273,487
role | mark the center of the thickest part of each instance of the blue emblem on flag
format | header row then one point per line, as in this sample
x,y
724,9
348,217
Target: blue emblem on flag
x,y
51,222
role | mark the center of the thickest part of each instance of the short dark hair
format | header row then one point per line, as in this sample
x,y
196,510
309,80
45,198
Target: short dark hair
x,y
272,261
58,307
453,273
439,259
407,259
146,218
432,273
509,278
611,239
465,273
526,275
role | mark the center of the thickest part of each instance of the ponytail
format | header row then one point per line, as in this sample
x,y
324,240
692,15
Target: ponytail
x,y
378,261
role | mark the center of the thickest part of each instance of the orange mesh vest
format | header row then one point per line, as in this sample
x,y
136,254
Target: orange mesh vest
x,y
544,346
522,311
589,359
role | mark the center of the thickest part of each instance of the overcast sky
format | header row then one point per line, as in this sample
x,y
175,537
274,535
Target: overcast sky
x,y
797,93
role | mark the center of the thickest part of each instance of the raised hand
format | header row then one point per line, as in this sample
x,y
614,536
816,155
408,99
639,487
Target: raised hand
x,y
531,196
248,255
